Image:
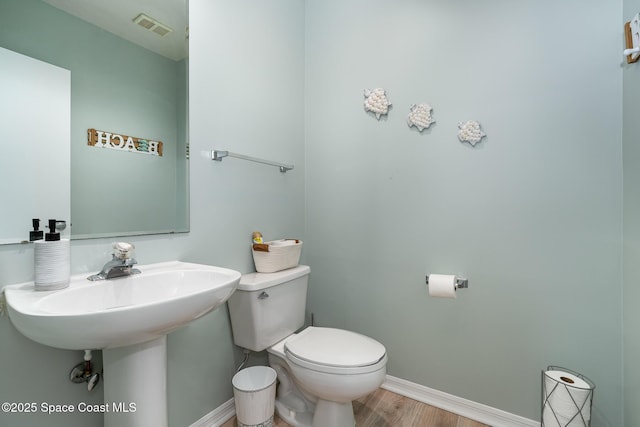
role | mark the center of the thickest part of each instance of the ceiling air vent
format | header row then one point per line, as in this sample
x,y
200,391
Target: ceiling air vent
x,y
151,24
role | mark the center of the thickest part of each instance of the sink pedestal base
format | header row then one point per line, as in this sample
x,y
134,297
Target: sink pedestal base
x,y
135,385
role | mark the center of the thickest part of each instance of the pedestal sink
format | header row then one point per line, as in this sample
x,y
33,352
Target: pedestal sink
x,y
128,318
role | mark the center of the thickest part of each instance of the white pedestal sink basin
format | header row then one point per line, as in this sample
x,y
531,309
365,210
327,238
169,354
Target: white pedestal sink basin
x,y
128,318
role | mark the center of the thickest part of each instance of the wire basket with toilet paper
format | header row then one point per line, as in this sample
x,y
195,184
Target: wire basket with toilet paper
x,y
567,397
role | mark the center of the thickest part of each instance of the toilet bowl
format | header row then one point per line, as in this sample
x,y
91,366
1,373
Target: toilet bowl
x,y
324,370
320,370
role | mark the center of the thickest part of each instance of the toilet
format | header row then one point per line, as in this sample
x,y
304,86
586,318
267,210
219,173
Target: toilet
x,y
320,370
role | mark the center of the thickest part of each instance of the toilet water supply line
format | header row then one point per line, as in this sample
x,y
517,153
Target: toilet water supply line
x,y
247,353
3,304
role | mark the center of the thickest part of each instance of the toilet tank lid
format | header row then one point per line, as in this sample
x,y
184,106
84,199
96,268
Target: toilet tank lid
x,y
257,281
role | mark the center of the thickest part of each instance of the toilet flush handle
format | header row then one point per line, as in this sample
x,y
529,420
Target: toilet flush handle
x,y
263,295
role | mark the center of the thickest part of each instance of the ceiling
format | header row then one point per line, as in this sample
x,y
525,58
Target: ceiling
x,y
116,16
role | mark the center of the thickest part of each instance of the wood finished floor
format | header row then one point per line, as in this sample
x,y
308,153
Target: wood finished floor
x,y
383,408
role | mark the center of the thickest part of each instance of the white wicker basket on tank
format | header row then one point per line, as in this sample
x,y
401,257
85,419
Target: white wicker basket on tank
x,y
281,254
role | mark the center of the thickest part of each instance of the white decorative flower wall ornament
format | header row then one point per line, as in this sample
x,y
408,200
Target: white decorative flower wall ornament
x,y
420,116
376,101
470,132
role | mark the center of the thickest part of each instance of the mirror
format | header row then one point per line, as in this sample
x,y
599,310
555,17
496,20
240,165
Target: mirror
x,y
121,88
33,92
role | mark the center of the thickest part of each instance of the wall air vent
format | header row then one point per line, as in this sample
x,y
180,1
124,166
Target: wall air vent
x,y
151,24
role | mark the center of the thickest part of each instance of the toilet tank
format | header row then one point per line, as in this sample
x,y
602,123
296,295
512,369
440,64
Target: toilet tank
x,y
268,307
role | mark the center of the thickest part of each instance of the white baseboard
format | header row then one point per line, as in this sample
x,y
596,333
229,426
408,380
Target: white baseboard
x,y
466,408
218,416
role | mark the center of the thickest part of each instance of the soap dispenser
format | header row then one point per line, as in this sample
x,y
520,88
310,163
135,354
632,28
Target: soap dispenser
x,y
52,261
36,234
52,236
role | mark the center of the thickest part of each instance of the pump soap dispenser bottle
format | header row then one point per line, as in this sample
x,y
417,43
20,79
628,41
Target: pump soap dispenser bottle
x,y
52,261
36,234
52,236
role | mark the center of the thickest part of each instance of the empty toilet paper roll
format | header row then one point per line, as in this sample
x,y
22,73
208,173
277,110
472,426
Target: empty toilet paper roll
x,y
442,285
567,400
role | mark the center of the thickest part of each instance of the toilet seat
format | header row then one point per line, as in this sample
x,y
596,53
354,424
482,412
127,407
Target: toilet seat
x,y
335,351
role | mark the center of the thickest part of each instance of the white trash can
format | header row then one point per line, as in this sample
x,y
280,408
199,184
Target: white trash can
x,y
254,392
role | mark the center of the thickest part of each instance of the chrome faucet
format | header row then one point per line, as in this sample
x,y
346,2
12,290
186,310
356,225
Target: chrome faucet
x,y
121,263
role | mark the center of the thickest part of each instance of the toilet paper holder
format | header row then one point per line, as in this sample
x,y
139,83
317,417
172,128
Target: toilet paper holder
x,y
461,282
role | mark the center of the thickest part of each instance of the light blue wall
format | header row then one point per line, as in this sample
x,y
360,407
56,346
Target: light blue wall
x,y
246,95
246,77
631,271
532,215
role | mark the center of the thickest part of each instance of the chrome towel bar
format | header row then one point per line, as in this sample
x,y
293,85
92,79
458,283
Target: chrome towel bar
x,y
218,155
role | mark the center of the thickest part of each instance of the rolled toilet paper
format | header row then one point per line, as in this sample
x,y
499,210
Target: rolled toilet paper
x,y
442,285
567,400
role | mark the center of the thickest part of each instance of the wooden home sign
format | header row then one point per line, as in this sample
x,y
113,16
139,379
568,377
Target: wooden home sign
x,y
102,139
